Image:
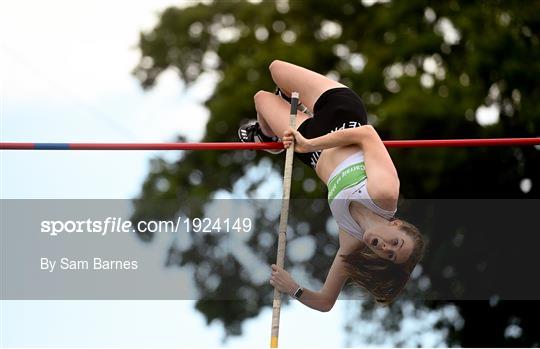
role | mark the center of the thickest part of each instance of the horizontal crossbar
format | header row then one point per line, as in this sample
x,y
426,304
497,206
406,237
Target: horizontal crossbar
x,y
426,143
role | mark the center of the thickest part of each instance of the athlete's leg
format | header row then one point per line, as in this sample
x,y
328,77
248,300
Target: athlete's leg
x,y
293,78
273,114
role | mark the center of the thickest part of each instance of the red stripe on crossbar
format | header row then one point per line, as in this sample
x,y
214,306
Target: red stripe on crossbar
x,y
431,143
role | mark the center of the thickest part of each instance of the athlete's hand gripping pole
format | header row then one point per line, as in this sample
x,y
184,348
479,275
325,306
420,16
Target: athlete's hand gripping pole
x,y
282,238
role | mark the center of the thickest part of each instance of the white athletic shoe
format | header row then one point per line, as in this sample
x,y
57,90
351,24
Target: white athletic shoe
x,y
251,132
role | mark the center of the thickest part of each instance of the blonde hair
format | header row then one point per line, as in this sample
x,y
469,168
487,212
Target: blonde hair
x,y
381,278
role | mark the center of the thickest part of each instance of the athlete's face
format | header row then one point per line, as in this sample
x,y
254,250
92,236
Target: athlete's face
x,y
389,242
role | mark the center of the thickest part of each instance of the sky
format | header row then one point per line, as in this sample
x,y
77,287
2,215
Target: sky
x,y
65,76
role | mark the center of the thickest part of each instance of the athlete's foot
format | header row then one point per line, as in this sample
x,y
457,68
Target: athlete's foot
x,y
251,132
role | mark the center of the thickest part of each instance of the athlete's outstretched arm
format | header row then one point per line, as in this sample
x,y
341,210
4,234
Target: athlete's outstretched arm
x,y
322,300
358,135
383,183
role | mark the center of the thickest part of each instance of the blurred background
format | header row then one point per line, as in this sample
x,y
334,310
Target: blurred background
x,y
187,71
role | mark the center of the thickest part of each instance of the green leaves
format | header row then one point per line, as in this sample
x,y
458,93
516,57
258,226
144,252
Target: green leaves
x,y
422,70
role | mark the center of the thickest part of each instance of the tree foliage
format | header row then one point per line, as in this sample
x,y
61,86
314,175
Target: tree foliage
x,y
423,69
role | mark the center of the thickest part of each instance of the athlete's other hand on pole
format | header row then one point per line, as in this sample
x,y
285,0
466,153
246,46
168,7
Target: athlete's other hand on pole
x,y
302,145
282,280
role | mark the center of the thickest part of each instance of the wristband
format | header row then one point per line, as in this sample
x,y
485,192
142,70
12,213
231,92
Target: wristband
x,y
298,293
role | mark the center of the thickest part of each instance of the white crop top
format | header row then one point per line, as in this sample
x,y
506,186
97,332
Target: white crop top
x,y
348,183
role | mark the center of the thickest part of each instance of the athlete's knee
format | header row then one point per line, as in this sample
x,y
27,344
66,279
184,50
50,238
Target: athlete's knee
x,y
276,64
259,96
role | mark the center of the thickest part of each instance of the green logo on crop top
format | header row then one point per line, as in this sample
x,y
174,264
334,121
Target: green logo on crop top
x,y
347,178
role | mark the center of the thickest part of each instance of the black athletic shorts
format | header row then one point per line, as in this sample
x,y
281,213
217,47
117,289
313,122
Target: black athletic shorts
x,y
336,109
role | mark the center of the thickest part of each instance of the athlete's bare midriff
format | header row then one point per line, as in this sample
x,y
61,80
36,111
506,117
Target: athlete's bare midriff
x,y
331,158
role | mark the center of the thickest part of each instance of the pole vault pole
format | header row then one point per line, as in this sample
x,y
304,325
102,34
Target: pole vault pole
x,y
284,217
